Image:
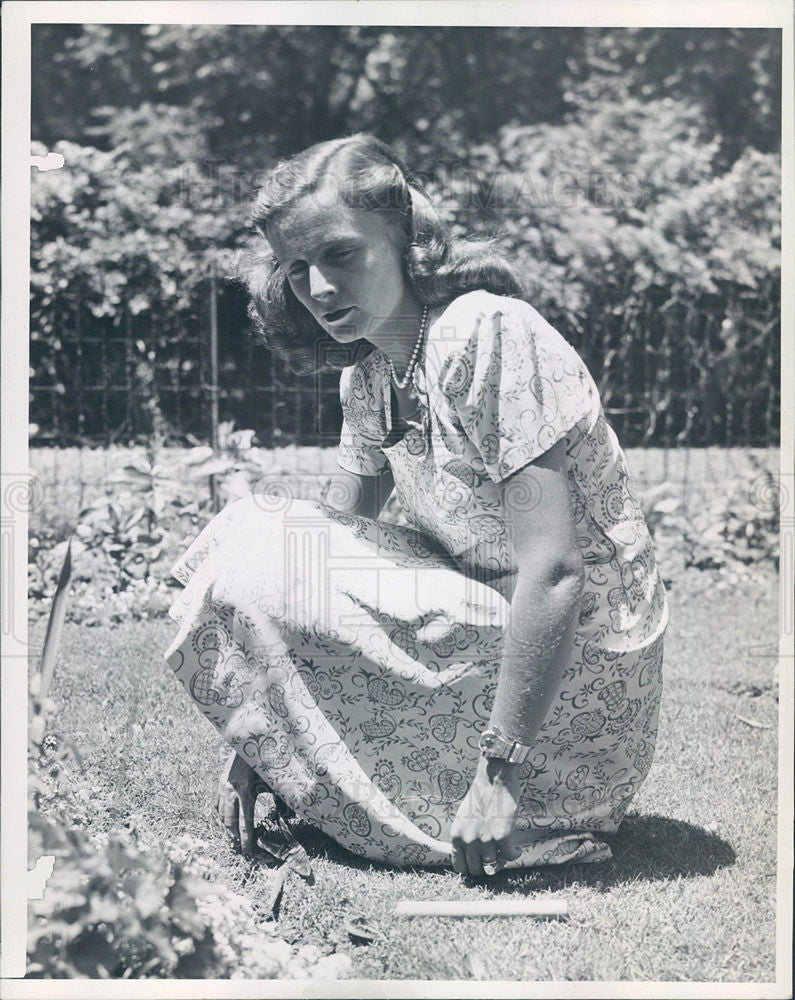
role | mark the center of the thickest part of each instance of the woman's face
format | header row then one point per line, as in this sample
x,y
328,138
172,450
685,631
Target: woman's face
x,y
344,266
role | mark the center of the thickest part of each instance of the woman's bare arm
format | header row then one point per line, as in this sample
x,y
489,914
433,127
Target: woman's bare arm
x,y
546,598
537,645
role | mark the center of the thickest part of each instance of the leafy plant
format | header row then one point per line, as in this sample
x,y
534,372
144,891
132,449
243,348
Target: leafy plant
x,y
121,906
234,464
124,542
129,532
109,912
731,534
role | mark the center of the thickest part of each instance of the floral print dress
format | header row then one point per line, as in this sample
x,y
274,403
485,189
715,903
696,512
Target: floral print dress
x,y
353,662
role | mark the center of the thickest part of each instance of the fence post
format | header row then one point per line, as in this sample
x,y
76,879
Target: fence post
x,y
214,498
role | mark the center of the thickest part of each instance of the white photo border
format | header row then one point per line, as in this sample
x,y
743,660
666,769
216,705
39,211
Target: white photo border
x,y
17,18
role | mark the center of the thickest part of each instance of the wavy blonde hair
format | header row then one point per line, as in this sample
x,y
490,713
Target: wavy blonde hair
x,y
365,174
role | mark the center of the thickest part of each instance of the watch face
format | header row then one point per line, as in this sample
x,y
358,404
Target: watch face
x,y
487,740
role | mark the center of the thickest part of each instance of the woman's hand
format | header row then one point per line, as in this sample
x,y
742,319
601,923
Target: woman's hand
x,y
237,796
482,832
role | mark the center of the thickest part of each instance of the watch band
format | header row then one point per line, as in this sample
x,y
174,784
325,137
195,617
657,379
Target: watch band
x,y
494,743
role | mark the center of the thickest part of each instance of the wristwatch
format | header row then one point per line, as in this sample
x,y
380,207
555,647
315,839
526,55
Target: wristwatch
x,y
494,743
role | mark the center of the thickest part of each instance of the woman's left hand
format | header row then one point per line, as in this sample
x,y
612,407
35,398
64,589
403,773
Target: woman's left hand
x,y
483,830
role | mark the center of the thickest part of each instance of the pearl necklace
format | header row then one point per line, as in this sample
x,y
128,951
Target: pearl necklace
x,y
414,354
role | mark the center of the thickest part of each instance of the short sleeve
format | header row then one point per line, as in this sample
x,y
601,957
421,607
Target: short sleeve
x,y
362,430
517,387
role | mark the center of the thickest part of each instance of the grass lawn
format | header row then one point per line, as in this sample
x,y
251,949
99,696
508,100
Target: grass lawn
x,y
689,895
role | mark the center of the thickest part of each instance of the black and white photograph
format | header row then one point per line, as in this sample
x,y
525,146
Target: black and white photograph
x,y
397,499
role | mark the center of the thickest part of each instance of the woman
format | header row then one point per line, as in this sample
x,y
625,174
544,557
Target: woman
x,y
483,686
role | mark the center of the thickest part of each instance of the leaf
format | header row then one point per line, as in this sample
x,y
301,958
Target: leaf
x,y
359,930
139,485
242,440
196,455
52,639
134,518
225,428
271,845
113,547
285,848
297,856
131,474
211,467
272,902
667,505
237,485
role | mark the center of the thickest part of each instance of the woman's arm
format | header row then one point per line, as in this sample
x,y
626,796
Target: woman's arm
x,y
546,599
538,641
363,496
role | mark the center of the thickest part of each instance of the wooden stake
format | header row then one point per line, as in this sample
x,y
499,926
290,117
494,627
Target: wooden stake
x,y
482,908
215,499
